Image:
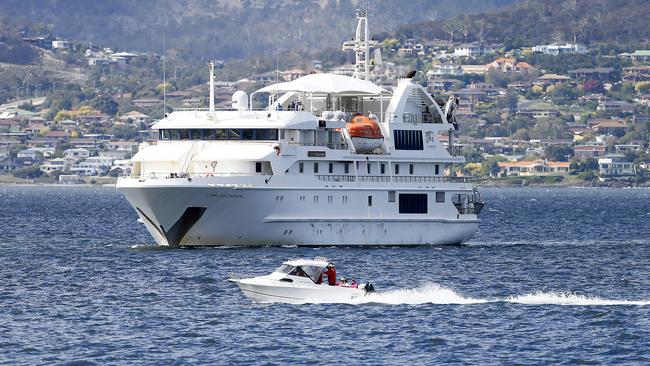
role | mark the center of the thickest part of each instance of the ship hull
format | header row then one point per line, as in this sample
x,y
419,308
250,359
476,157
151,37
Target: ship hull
x,y
197,214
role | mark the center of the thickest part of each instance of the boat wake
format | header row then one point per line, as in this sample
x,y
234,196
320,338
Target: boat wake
x,y
432,293
566,298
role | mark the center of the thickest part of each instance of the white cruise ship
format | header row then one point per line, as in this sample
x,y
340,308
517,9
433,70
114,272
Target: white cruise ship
x,y
329,160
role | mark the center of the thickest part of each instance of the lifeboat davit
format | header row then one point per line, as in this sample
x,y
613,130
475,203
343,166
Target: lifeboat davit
x,y
365,134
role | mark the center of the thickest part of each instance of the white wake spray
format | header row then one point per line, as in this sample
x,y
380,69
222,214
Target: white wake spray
x,y
563,298
432,293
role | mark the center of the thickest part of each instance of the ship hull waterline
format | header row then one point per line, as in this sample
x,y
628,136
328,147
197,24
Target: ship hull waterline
x,y
179,216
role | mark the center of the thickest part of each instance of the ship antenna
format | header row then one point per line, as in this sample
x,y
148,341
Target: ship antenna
x,y
211,67
277,61
361,44
164,77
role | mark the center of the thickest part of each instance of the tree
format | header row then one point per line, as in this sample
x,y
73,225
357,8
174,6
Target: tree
x,y
496,78
593,86
558,152
63,115
27,173
105,104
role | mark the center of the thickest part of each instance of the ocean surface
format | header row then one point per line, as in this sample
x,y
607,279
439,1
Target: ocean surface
x,y
554,276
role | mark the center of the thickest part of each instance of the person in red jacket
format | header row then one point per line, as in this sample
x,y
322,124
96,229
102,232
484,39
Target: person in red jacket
x,y
331,274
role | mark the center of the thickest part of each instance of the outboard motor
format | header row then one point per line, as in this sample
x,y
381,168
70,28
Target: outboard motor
x,y
369,287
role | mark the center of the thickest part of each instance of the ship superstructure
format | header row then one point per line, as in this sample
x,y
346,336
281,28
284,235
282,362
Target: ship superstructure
x,y
329,160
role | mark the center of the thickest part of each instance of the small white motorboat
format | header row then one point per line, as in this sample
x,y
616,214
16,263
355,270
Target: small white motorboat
x,y
301,281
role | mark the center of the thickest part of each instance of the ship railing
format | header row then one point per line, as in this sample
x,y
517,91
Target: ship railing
x,y
176,175
331,146
414,118
387,178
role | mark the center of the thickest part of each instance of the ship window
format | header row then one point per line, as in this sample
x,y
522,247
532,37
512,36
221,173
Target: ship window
x,y
222,135
315,167
316,154
396,168
382,168
369,200
185,134
368,167
165,134
411,203
234,134
258,167
408,140
196,134
437,169
210,134
247,134
331,168
440,197
176,134
391,196
301,167
346,168
410,168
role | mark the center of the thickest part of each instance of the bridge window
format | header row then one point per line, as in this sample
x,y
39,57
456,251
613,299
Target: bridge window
x,y
331,168
408,140
382,168
411,168
437,169
251,134
396,168
315,167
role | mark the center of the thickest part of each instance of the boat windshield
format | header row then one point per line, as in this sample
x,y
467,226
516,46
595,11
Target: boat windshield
x,y
313,272
284,269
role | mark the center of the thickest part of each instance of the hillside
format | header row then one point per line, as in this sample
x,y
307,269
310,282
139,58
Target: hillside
x,y
225,29
623,22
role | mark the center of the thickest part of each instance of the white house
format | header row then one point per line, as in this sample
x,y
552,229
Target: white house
x,y
557,49
615,166
76,153
35,152
61,45
473,50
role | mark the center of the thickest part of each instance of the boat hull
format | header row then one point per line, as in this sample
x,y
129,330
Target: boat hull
x,y
219,215
271,293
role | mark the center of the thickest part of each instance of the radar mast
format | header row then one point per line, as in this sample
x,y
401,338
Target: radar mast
x,y
361,44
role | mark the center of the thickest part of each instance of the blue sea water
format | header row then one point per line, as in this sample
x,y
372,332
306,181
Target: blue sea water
x,y
554,276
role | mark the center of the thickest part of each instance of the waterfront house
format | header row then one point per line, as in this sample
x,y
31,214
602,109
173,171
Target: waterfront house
x,y
615,165
533,168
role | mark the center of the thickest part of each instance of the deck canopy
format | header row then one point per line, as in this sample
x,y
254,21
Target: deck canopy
x,y
327,84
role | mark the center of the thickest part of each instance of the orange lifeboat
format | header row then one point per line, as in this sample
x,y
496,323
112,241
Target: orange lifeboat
x,y
365,134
